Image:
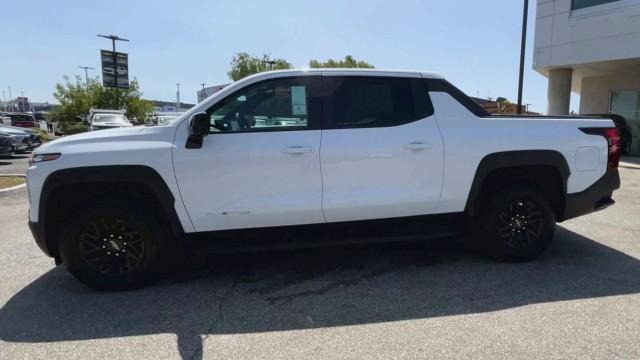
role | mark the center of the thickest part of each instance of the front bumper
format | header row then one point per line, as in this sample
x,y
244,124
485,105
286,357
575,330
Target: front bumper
x,y
6,150
595,197
37,229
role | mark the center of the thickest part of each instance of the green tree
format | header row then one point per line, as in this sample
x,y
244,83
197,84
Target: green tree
x,y
76,99
348,62
244,64
502,100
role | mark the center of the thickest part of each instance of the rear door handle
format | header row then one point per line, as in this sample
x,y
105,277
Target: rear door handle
x,y
297,150
418,146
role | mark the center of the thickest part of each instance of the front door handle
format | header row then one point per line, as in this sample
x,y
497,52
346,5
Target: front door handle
x,y
418,146
297,150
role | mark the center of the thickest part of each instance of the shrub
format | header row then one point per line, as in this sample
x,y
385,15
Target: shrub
x,y
69,128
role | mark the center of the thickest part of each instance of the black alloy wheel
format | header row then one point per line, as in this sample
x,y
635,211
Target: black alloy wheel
x,y
520,224
516,224
112,245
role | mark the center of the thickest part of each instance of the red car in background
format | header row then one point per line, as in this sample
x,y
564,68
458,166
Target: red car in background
x,y
23,120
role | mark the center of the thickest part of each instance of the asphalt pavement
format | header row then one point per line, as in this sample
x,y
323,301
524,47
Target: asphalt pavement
x,y
14,164
581,299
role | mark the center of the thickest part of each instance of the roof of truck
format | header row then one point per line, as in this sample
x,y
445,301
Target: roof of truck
x,y
358,71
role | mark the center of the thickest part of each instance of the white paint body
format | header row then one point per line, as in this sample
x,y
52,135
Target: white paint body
x,y
248,180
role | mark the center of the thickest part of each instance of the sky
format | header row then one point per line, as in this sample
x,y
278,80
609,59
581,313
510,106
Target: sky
x,y
474,44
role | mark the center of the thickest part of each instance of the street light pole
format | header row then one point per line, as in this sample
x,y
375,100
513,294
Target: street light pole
x,y
178,97
86,76
114,38
523,44
10,99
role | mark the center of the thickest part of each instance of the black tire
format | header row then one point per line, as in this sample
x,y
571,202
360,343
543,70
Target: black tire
x,y
517,224
112,245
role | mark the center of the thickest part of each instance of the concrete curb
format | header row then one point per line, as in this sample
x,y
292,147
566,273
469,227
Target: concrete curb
x,y
14,189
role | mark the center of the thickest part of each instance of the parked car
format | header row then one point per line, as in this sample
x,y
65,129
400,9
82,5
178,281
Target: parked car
x,y
625,132
295,158
21,141
101,119
33,138
6,143
162,118
23,120
623,129
40,115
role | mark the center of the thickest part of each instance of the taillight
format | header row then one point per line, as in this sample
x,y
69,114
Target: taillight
x,y
613,141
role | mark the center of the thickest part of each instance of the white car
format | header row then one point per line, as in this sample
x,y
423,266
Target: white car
x,y
317,156
107,119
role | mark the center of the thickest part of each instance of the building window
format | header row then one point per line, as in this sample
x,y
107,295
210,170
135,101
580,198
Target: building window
x,y
581,4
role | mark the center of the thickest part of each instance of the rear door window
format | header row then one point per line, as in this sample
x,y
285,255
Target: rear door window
x,y
359,101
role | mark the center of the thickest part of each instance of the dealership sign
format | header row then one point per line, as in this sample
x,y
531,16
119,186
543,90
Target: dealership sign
x,y
115,69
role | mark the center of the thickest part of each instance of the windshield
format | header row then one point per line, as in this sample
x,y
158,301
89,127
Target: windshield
x,y
102,118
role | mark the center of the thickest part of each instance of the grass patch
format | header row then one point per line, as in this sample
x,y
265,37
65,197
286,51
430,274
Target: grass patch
x,y
10,181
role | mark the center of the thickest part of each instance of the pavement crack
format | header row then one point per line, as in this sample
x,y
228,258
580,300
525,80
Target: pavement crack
x,y
327,288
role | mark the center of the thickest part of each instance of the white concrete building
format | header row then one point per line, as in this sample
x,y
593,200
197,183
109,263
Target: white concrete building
x,y
591,47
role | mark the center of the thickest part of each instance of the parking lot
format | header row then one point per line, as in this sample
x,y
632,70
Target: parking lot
x,y
14,164
581,299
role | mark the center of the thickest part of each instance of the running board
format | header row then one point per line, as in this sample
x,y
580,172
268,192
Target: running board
x,y
329,234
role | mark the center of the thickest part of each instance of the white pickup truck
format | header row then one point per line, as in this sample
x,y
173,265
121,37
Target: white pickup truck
x,y
295,158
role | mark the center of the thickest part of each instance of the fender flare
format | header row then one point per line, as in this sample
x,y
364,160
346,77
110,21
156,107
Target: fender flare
x,y
140,174
519,158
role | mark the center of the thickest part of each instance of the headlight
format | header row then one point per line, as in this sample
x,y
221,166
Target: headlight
x,y
36,158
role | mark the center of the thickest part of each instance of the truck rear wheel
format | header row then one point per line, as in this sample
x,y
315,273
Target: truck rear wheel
x,y
112,245
516,225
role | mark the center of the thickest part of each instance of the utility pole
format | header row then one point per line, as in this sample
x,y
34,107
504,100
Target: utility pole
x,y
86,76
523,44
114,38
203,94
10,99
178,97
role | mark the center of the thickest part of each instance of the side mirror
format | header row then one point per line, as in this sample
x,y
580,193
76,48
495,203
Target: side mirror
x,y
199,124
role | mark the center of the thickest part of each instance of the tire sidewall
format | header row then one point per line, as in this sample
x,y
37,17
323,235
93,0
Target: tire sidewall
x,y
70,251
487,230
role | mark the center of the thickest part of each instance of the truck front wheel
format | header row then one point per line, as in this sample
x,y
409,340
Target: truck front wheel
x,y
111,245
517,224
